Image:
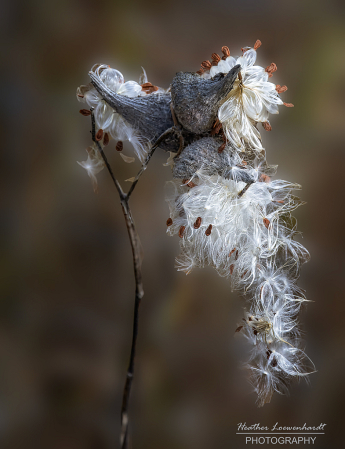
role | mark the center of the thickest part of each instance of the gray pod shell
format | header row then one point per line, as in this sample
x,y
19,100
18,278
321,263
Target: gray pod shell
x,y
150,115
196,100
204,154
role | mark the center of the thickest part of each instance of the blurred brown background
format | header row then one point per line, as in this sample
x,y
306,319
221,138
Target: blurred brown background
x,y
66,269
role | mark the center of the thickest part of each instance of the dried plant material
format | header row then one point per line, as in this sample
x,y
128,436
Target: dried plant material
x,y
106,139
188,183
264,178
271,69
226,51
280,89
267,126
99,135
213,128
85,112
288,105
130,179
206,65
170,160
197,223
266,222
149,88
215,59
127,159
221,148
119,146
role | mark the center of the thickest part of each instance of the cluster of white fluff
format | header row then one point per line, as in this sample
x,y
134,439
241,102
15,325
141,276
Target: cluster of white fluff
x,y
251,100
93,164
105,116
245,230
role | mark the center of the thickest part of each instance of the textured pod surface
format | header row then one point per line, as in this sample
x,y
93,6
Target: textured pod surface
x,y
196,100
204,154
150,115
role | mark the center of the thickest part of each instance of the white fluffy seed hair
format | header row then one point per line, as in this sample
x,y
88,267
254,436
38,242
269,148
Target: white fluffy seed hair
x,y
105,117
246,230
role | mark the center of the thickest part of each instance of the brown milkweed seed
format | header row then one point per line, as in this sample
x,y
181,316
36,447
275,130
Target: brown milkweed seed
x,y
232,251
197,223
232,266
119,146
239,328
226,51
280,89
264,178
208,230
106,139
181,231
99,135
266,126
169,222
206,65
266,222
221,148
84,112
215,57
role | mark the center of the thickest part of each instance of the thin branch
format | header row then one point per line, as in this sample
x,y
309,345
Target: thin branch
x,y
100,149
149,155
135,246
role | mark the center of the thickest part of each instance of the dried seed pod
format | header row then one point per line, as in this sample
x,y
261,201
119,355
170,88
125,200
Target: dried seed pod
x,y
150,115
169,222
192,94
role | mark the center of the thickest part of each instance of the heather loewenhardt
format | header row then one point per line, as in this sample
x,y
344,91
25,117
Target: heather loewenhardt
x,y
276,427
298,434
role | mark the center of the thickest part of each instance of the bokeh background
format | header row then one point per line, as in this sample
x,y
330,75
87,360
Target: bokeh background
x,y
66,271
